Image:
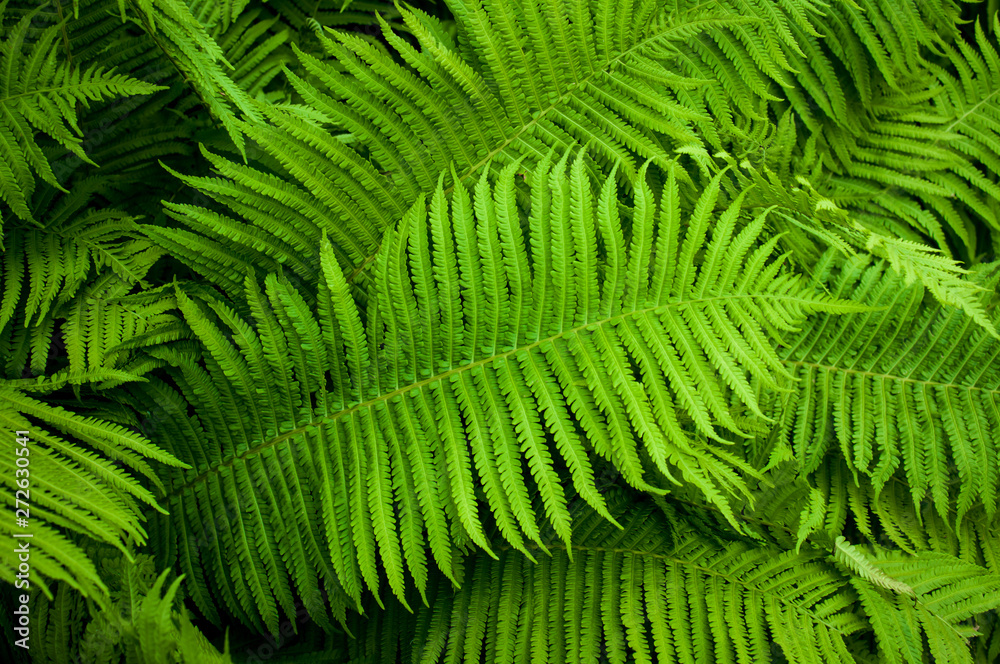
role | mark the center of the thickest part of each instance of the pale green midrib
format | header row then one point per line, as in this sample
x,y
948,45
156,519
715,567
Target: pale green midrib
x,y
64,89
35,93
969,112
961,119
465,367
901,379
541,113
689,563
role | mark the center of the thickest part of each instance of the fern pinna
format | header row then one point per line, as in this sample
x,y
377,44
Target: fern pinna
x,y
501,330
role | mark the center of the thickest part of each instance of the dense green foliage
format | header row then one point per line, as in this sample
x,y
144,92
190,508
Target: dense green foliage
x,y
502,330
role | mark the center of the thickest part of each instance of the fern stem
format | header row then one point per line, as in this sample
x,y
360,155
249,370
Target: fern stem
x,y
65,35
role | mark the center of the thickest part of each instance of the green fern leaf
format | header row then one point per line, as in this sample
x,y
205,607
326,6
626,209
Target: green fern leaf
x,y
485,99
532,348
39,93
646,593
77,485
908,389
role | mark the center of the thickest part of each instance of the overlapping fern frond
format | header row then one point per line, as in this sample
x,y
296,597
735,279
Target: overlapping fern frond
x,y
61,282
518,79
911,389
44,265
415,363
39,92
808,219
83,474
919,160
484,346
936,594
194,51
643,594
658,591
790,510
298,14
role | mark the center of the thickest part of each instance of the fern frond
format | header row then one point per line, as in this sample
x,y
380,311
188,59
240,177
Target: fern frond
x,y
646,593
946,591
856,560
481,339
918,158
43,266
807,214
195,52
515,82
82,477
143,624
911,388
331,13
659,592
39,92
408,361
790,510
256,47
60,283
